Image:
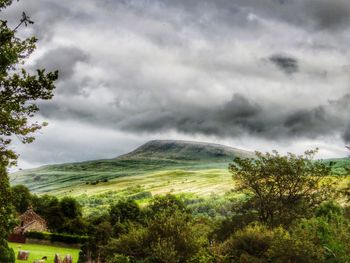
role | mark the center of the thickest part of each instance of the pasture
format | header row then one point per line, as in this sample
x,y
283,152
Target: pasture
x,y
39,251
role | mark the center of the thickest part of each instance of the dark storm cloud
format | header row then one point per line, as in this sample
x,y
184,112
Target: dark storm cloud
x,y
313,14
242,116
287,64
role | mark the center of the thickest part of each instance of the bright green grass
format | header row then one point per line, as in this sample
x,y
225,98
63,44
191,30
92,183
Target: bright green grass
x,y
200,182
39,251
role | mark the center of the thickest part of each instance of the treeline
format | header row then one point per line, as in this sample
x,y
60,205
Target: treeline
x,y
62,215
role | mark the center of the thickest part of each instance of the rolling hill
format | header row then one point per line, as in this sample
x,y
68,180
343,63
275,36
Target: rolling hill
x,y
158,166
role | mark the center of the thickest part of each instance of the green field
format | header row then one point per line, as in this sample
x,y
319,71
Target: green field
x,y
39,251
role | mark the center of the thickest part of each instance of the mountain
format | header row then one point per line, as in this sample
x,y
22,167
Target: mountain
x,y
156,162
187,151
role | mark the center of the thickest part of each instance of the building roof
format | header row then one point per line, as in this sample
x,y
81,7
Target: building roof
x,y
29,218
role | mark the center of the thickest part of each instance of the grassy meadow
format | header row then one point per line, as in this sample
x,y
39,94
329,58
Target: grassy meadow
x,y
39,251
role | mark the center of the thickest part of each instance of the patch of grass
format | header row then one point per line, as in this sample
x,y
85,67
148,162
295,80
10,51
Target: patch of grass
x,y
39,251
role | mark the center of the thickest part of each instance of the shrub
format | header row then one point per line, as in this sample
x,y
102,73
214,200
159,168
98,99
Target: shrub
x,y
248,245
54,237
6,253
119,259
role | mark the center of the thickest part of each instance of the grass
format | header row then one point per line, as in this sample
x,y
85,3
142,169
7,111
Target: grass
x,y
39,251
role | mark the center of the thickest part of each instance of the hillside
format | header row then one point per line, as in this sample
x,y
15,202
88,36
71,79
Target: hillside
x,y
156,166
187,151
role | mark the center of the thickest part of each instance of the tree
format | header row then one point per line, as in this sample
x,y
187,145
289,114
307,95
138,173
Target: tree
x,y
167,234
19,90
283,188
21,198
124,210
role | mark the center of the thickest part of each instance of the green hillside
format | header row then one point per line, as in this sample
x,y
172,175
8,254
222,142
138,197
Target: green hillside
x,y
156,166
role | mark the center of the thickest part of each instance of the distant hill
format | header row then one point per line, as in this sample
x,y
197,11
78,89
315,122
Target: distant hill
x,y
187,151
165,157
157,167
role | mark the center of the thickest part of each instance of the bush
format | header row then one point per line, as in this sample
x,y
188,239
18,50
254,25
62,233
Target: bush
x,y
6,253
299,248
249,245
54,237
119,259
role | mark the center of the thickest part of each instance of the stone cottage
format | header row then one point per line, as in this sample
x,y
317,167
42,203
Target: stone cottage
x,y
30,221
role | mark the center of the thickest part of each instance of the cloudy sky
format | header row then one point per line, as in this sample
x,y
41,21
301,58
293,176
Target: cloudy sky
x,y
253,74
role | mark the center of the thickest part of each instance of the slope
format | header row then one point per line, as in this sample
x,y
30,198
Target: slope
x,y
156,161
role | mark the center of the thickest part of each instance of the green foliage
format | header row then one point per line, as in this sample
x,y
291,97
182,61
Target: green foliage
x,y
283,188
70,207
166,204
19,90
123,211
250,243
7,220
330,234
57,237
62,216
99,231
293,248
21,198
167,234
119,259
6,253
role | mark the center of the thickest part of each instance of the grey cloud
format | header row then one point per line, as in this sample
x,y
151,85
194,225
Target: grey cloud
x,y
287,64
346,134
329,14
63,59
316,14
239,107
242,116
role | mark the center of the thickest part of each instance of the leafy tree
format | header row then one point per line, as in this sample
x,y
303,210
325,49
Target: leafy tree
x,y
99,232
168,234
7,220
168,203
62,216
19,90
70,207
124,210
283,188
21,198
